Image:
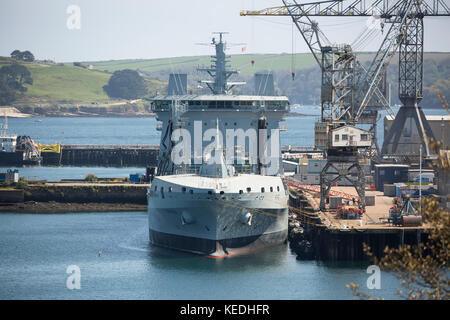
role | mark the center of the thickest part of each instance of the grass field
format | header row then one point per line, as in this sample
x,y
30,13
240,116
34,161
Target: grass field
x,y
67,83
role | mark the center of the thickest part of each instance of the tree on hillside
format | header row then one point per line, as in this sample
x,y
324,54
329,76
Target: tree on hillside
x,y
12,80
27,56
125,84
22,55
16,54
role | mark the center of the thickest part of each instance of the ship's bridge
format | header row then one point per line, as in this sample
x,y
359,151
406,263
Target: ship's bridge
x,y
223,102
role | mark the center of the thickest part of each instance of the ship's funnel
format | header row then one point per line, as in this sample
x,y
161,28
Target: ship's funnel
x,y
177,83
264,84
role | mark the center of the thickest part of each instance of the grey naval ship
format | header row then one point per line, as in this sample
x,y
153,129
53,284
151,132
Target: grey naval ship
x,y
218,208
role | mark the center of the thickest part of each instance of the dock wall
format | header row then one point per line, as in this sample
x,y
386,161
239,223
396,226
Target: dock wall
x,y
348,245
136,194
11,196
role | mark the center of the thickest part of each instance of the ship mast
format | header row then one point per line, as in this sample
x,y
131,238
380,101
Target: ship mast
x,y
218,70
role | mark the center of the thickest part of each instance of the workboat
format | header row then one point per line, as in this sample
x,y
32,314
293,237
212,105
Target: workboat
x,y
231,200
17,150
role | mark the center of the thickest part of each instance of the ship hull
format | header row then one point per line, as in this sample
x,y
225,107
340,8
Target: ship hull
x,y
216,227
217,248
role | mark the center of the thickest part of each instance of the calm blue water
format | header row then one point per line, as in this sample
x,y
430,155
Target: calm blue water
x,y
36,249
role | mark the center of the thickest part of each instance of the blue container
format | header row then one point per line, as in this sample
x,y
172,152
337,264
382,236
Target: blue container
x,y
134,178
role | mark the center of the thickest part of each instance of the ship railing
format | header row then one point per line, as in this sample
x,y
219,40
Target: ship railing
x,y
110,146
205,107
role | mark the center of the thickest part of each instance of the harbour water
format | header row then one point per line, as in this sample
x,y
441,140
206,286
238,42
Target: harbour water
x,y
116,262
112,249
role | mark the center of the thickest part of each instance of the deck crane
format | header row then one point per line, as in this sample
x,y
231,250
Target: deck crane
x,y
357,89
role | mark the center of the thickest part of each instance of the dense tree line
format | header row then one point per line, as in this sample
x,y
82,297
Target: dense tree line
x,y
125,84
13,77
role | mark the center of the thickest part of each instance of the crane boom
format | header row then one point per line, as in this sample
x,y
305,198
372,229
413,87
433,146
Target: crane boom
x,y
350,8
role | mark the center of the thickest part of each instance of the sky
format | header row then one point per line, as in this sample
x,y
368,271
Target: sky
x,y
147,29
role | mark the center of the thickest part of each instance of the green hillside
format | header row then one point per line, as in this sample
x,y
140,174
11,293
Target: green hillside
x,y
66,83
71,85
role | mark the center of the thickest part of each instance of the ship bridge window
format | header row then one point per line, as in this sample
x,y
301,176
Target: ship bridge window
x,y
198,103
220,104
344,137
211,104
262,190
228,104
364,137
271,189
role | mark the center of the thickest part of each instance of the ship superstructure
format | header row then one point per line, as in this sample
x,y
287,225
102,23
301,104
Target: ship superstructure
x,y
231,199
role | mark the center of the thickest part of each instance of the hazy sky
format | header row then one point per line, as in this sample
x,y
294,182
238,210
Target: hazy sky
x,y
123,29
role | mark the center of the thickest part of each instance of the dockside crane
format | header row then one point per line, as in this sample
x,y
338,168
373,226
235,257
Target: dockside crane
x,y
406,20
348,89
